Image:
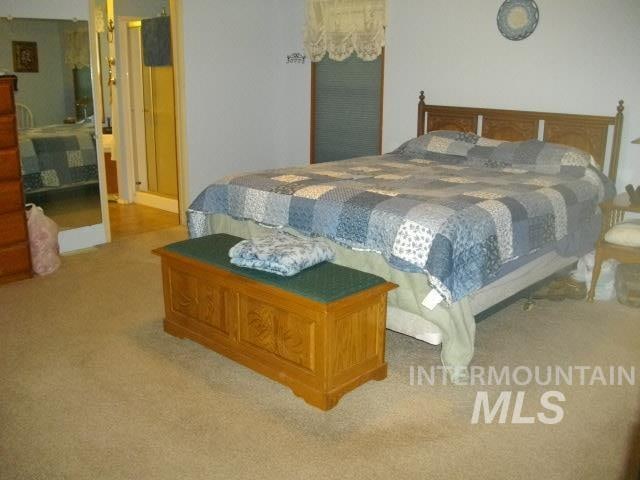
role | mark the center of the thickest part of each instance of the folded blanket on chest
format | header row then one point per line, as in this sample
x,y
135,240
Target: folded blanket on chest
x,y
280,253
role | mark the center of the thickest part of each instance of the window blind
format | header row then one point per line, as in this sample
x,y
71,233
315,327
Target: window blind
x,y
347,108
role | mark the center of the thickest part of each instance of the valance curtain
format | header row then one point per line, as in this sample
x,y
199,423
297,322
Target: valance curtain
x,y
76,48
341,27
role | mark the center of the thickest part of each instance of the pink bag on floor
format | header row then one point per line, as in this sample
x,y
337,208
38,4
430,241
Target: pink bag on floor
x,y
43,240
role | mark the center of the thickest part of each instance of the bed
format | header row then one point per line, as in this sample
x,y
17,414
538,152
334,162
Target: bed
x,y
463,216
58,157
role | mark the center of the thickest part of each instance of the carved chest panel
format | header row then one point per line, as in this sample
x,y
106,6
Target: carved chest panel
x,y
320,350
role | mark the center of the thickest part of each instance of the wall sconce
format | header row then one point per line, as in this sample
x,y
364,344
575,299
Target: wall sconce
x,y
110,29
101,27
112,79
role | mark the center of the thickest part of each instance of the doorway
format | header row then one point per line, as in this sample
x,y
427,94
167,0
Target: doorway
x,y
153,121
148,133
145,104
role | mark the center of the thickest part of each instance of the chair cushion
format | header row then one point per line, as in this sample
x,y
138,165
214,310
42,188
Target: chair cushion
x,y
626,234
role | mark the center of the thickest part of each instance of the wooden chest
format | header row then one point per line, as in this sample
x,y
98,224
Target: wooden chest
x,y
15,258
321,332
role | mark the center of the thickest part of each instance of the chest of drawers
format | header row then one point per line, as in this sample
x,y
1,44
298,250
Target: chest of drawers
x,y
15,258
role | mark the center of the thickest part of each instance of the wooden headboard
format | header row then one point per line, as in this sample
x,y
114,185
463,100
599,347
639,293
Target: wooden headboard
x,y
586,132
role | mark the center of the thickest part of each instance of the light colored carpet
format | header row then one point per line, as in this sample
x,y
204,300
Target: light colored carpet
x,y
91,387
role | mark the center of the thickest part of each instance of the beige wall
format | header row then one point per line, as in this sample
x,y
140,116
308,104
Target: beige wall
x,y
48,92
60,9
582,58
139,8
246,108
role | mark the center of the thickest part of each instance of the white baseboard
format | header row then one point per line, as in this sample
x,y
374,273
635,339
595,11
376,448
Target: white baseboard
x,y
157,201
83,237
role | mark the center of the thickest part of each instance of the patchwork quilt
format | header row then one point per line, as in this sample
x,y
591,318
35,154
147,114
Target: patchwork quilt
x,y
448,216
56,156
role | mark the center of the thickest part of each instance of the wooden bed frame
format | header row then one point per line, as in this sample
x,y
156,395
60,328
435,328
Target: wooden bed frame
x,y
586,132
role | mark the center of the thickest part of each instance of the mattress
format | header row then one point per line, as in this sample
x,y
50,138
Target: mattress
x,y
457,224
440,226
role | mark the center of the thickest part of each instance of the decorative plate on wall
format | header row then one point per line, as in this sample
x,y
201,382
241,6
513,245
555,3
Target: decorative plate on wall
x,y
517,19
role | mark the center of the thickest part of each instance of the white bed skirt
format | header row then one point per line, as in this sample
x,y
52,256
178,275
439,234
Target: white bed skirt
x,y
451,326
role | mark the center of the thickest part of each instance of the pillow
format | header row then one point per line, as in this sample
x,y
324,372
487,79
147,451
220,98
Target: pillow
x,y
444,142
531,155
626,234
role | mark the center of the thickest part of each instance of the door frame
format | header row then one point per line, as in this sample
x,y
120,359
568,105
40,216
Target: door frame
x,y
177,43
138,144
312,134
126,149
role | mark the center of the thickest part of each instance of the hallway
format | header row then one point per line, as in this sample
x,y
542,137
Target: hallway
x,y
132,219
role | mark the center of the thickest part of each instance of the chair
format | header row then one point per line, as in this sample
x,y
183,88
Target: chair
x,y
608,246
24,116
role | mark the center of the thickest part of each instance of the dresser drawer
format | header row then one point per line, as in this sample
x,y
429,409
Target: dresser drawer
x,y
11,196
8,135
13,228
15,259
10,164
6,97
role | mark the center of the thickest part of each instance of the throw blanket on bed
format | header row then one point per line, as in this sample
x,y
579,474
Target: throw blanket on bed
x,y
456,222
56,156
280,253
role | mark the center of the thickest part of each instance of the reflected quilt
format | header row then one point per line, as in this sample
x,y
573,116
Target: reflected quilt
x,y
57,156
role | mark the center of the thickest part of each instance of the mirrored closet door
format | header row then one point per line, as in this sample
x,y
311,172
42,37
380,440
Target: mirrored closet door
x,y
57,123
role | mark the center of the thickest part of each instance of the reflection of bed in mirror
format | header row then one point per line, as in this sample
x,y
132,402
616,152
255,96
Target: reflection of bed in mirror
x,y
58,157
54,109
60,172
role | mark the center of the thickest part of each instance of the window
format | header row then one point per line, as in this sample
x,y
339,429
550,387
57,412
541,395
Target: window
x,y
346,108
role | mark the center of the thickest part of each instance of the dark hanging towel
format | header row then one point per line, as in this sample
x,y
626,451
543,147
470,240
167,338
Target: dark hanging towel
x,y
156,41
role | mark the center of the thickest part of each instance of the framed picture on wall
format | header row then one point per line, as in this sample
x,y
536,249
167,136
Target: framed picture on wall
x,y
25,56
